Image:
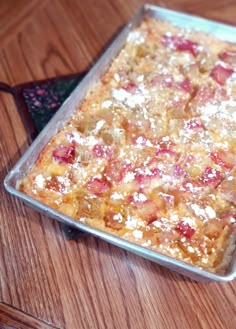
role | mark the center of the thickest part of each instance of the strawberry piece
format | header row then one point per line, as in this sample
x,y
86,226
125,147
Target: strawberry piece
x,y
64,154
228,56
103,151
98,186
180,44
185,229
116,170
211,176
186,85
222,159
220,74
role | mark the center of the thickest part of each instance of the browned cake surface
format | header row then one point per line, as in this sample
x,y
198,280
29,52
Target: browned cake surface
x,y
150,154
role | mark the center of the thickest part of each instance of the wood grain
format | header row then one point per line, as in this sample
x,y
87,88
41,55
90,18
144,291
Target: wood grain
x,y
11,318
86,283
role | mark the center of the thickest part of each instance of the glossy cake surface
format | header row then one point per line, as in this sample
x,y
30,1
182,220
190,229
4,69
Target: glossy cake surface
x,y
150,154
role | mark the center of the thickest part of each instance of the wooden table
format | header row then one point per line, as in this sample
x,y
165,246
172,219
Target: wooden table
x,y
47,281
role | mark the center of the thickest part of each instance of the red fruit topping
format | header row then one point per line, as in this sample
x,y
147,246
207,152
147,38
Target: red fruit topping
x,y
204,95
185,230
168,199
103,151
165,154
147,209
168,81
116,170
71,139
211,176
220,74
130,87
163,143
64,154
228,56
98,186
178,171
190,159
191,186
186,85
146,175
161,80
180,43
194,124
222,159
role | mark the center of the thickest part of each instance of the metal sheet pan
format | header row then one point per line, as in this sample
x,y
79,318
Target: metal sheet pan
x,y
222,31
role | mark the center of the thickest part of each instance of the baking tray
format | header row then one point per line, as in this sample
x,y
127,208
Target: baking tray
x,y
222,31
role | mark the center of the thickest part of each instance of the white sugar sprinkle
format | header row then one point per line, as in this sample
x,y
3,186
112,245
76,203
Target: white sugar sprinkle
x,y
39,180
138,234
210,212
117,196
106,104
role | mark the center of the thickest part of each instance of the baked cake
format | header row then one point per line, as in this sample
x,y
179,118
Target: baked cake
x,y
149,155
